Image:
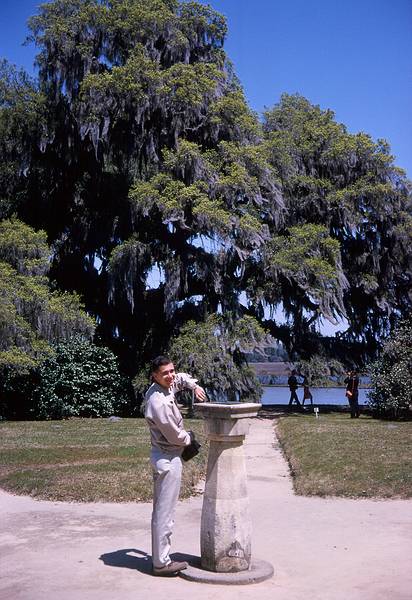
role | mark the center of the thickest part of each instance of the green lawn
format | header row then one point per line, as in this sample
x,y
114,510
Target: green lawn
x,y
97,460
85,460
338,456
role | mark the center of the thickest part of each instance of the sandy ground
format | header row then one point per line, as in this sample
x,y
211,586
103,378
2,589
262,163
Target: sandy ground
x,y
333,549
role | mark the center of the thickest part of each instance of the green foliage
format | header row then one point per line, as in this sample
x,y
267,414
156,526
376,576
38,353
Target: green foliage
x,y
230,113
81,380
318,369
213,351
310,258
189,87
136,152
22,121
31,315
23,248
391,374
349,184
220,194
134,81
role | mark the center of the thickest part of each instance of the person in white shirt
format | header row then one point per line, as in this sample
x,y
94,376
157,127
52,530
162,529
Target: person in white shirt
x,y
168,439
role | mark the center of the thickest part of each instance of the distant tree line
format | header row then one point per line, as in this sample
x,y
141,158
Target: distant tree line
x,y
145,207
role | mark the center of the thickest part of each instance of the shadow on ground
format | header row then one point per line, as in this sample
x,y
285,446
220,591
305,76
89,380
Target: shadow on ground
x,y
194,561
138,560
129,558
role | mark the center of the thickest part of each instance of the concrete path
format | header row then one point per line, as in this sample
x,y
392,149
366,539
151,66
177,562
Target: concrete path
x,y
332,549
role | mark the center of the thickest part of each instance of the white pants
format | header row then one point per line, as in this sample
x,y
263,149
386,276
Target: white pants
x,y
167,476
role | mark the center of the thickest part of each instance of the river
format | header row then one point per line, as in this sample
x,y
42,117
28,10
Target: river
x,y
334,396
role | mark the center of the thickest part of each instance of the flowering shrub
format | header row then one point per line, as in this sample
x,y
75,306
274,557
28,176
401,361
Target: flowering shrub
x,y
81,380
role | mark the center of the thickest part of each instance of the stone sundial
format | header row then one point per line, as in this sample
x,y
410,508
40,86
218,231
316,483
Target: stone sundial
x,y
225,535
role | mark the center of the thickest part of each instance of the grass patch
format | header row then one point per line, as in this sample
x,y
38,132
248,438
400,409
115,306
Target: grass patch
x,y
86,460
338,456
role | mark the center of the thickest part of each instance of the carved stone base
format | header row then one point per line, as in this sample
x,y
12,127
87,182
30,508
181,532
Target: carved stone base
x,y
259,570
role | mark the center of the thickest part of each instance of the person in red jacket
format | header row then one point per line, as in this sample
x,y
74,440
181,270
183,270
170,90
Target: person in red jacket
x,y
307,394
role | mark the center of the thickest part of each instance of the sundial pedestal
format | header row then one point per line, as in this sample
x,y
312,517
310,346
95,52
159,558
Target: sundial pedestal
x,y
225,535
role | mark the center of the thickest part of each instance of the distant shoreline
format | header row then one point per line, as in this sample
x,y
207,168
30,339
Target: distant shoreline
x,y
321,396
362,386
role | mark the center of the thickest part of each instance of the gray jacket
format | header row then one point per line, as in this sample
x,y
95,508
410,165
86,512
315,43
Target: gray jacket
x,y
164,417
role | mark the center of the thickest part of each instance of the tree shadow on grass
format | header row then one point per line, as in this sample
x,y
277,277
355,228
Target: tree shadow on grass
x,y
138,560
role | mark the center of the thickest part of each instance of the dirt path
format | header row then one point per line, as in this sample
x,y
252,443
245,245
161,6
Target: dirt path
x,y
334,549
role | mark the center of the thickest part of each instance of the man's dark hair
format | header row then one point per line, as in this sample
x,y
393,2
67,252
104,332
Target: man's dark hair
x,y
159,361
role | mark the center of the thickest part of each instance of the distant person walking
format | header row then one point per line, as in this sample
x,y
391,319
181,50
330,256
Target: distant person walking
x,y
293,386
352,393
307,394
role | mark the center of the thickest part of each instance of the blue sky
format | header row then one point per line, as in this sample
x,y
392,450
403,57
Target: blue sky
x,y
353,56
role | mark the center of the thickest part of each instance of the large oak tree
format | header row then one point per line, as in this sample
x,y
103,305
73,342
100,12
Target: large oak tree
x,y
167,201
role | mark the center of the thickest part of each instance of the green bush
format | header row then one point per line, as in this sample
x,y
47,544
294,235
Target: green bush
x,y
16,393
81,380
391,375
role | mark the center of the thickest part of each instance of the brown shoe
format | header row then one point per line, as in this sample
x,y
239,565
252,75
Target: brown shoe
x,y
171,569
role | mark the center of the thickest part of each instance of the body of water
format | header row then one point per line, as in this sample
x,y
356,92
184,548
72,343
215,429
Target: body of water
x,y
336,396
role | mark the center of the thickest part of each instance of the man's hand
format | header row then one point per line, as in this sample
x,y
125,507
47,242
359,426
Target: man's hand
x,y
200,394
